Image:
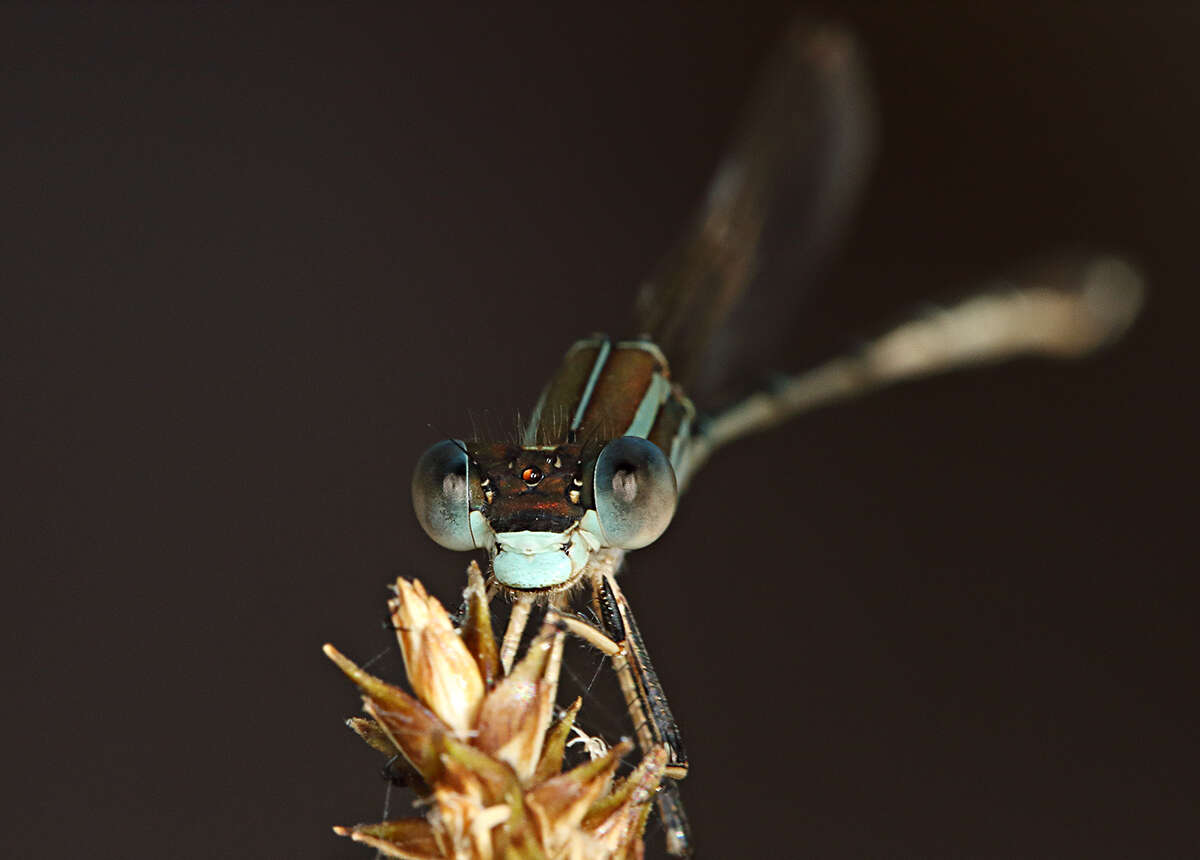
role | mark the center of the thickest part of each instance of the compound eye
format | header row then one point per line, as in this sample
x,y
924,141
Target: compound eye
x,y
442,487
634,492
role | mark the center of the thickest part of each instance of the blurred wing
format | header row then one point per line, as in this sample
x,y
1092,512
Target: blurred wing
x,y
776,207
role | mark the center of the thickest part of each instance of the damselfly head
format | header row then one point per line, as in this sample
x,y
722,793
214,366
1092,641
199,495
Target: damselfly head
x,y
542,511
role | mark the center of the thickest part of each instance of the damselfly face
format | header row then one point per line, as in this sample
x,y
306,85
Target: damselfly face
x,y
542,511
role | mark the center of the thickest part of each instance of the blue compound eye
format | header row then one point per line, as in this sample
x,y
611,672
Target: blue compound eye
x,y
634,491
442,487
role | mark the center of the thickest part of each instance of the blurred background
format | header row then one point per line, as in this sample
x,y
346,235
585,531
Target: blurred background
x,y
251,256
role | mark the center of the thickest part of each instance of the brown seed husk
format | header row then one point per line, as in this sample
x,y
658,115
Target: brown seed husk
x,y
486,748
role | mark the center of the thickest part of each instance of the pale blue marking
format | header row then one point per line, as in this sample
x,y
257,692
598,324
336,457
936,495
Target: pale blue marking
x,y
533,571
532,559
647,411
589,389
679,444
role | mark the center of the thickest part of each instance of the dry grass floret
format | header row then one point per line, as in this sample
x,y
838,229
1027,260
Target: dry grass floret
x,y
485,748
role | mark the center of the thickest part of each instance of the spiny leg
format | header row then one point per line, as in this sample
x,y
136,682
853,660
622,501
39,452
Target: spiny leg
x,y
643,691
653,722
615,651
670,806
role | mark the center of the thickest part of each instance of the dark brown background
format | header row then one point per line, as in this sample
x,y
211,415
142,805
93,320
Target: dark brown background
x,y
248,256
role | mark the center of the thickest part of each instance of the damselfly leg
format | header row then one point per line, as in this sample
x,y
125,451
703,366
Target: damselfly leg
x,y
617,636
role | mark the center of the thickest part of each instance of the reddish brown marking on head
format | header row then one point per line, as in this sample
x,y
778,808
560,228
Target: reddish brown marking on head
x,y
530,493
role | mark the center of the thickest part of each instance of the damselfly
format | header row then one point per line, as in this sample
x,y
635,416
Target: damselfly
x,y
615,436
